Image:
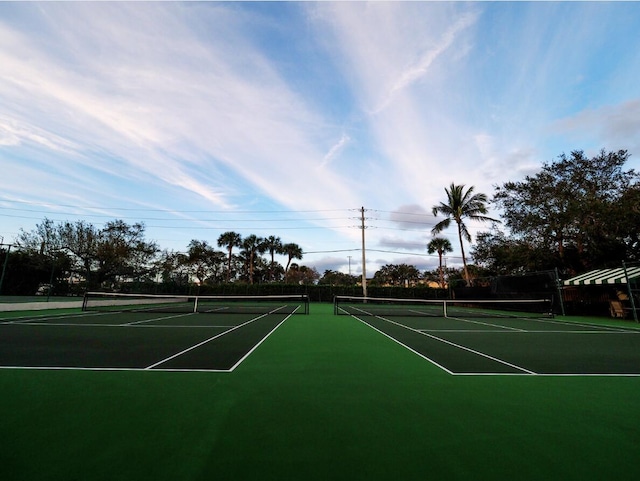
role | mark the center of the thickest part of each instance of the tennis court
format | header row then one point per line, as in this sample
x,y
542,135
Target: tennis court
x,y
144,333
468,338
313,397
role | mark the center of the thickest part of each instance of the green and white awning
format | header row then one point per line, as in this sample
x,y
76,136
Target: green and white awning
x,y
605,277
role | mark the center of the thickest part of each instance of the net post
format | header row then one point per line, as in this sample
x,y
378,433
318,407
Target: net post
x,y
444,308
549,311
307,302
195,304
85,299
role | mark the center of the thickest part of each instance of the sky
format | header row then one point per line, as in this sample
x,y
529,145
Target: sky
x,y
289,118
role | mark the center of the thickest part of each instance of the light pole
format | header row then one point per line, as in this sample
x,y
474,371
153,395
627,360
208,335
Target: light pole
x,y
349,257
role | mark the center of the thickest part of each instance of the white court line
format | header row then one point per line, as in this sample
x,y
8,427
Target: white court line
x,y
525,371
153,367
402,344
27,319
464,348
631,330
121,369
488,324
584,324
143,321
545,321
499,331
162,326
261,341
473,351
30,321
470,321
542,374
210,339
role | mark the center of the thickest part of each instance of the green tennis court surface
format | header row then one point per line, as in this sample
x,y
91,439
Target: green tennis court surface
x,y
320,397
197,341
514,345
133,340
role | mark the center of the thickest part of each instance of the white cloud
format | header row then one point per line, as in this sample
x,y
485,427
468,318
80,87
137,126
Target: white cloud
x,y
159,103
213,105
420,68
335,150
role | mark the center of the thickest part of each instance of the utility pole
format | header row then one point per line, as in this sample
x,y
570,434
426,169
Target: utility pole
x,y
349,257
364,257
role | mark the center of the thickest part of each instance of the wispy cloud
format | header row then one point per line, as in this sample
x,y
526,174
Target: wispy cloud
x,y
216,105
161,104
335,150
420,68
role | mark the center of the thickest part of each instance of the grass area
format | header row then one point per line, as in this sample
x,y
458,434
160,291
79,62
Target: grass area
x,y
324,397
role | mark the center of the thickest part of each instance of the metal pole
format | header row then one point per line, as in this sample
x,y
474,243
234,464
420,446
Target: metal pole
x,y
630,291
364,257
560,291
349,257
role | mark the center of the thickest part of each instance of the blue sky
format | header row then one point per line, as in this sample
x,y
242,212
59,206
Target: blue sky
x,y
285,118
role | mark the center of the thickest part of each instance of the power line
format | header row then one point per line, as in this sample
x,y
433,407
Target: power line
x,y
196,221
426,224
166,219
412,253
331,252
169,211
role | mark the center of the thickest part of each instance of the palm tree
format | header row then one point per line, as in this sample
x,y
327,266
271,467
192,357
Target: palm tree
x,y
229,240
273,245
252,245
294,251
441,246
461,204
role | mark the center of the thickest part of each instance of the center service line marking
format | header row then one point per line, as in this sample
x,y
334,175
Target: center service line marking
x,y
261,341
508,328
144,321
464,348
209,340
402,344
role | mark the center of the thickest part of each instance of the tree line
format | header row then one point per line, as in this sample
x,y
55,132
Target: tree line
x,y
576,213
89,257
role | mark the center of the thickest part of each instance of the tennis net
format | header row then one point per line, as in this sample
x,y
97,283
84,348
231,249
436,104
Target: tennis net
x,y
487,308
119,302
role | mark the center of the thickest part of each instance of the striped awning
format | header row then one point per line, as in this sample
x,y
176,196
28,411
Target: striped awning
x,y
605,276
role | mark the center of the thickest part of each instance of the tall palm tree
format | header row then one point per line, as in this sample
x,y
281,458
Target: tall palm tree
x,y
274,246
461,204
441,246
294,251
229,240
252,245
